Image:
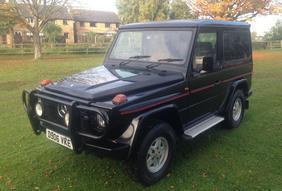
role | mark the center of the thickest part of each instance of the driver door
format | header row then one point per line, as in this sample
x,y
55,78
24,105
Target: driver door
x,y
204,83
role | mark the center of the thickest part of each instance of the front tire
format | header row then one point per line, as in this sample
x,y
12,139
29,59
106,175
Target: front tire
x,y
155,153
235,111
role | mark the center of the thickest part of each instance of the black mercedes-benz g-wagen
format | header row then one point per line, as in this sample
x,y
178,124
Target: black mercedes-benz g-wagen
x,y
159,81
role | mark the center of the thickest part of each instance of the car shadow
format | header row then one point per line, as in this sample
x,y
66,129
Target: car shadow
x,y
120,173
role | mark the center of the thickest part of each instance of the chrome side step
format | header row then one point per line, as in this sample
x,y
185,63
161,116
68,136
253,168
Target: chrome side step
x,y
199,128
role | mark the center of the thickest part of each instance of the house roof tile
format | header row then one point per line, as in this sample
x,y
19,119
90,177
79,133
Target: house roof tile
x,y
94,16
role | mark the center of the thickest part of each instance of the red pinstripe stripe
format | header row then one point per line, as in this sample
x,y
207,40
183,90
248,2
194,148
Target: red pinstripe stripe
x,y
234,65
181,95
155,104
202,88
236,77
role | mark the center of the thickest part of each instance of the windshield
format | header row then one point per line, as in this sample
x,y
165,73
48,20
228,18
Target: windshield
x,y
152,46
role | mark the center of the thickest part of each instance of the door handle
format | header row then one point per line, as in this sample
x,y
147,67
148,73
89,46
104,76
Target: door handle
x,y
218,82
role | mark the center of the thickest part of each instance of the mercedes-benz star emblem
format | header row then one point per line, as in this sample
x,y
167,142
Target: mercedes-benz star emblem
x,y
62,110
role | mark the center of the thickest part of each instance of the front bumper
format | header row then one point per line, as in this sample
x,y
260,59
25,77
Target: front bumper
x,y
80,140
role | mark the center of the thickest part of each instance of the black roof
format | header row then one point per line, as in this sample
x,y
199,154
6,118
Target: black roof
x,y
187,23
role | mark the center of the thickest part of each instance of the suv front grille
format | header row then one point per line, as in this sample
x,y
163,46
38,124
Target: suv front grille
x,y
86,121
51,112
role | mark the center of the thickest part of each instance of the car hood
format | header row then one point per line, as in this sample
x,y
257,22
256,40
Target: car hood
x,y
102,83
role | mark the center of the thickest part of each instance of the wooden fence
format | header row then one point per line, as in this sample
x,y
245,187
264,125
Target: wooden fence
x,y
58,48
267,44
86,48
274,44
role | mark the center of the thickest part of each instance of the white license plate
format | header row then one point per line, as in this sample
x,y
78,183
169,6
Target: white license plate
x,y
58,138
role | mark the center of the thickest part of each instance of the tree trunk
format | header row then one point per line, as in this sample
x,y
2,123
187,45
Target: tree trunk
x,y
10,38
37,46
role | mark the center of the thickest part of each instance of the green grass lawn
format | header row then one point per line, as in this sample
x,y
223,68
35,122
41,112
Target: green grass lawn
x,y
247,158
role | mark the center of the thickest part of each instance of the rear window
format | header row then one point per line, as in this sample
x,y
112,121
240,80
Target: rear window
x,y
236,45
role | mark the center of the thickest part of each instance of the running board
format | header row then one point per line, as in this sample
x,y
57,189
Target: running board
x,y
201,127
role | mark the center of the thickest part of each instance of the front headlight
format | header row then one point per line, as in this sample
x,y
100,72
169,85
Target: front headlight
x,y
39,109
67,119
101,123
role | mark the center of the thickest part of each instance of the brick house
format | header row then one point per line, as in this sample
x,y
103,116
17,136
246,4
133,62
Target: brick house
x,y
99,22
75,25
22,35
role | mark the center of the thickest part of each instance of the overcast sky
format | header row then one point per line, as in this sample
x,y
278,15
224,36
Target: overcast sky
x,y
261,24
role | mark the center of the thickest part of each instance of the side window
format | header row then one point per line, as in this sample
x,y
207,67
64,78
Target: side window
x,y
236,45
205,52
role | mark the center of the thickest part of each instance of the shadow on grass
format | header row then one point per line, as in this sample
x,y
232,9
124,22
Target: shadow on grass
x,y
115,173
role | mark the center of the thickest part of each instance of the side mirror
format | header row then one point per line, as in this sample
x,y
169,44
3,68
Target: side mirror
x,y
208,64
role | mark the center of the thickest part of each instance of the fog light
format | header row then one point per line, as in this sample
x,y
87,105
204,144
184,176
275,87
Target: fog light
x,y
100,121
128,133
67,119
39,109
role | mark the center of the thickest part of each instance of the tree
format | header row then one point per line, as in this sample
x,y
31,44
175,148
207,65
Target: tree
x,y
52,31
41,11
180,10
128,10
254,36
8,19
142,10
131,11
242,10
277,7
153,10
91,37
275,32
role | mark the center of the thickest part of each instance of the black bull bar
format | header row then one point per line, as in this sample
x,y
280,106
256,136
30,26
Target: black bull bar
x,y
29,101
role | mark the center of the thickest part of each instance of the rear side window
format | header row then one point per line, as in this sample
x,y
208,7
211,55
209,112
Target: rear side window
x,y
236,45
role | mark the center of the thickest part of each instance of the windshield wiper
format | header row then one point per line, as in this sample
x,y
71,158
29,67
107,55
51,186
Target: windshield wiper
x,y
170,60
139,57
151,66
133,57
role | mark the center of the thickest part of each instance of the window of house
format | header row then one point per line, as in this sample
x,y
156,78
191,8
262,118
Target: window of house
x,y
117,25
18,33
236,45
205,48
66,35
30,20
107,25
65,22
81,23
92,24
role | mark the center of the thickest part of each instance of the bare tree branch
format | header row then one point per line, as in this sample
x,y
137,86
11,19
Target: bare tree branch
x,y
42,11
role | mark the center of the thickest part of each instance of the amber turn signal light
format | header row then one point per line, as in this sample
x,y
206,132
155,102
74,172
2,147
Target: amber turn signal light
x,y
119,99
45,82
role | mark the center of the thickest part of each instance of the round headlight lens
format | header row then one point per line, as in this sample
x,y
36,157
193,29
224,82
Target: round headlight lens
x,y
67,119
39,109
100,121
